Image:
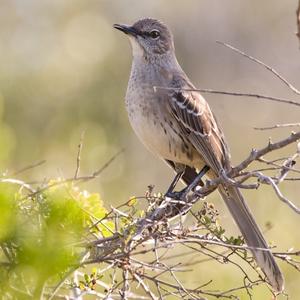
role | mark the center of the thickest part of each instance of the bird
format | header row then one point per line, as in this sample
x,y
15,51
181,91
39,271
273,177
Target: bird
x,y
174,121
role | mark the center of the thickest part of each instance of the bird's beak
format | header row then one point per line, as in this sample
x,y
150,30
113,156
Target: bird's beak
x,y
126,29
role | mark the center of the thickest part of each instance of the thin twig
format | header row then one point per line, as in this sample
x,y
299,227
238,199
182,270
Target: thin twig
x,y
272,70
255,154
279,194
298,21
283,166
126,285
60,283
270,181
34,165
98,172
239,94
144,286
80,145
278,126
80,178
20,183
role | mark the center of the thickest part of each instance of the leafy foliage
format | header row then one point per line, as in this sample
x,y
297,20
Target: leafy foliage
x,y
40,233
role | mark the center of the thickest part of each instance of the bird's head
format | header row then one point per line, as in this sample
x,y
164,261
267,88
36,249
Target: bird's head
x,y
148,37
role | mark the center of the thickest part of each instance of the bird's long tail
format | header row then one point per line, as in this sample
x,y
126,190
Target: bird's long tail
x,y
252,235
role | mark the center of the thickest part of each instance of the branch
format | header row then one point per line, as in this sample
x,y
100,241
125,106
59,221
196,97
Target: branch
x,y
239,94
256,154
34,165
279,76
80,178
79,155
278,126
21,183
298,21
280,196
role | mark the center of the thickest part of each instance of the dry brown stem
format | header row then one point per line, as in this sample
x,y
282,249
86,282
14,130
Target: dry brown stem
x,y
298,21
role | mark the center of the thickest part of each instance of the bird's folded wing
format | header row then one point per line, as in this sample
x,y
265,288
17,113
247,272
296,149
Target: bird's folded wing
x,y
200,127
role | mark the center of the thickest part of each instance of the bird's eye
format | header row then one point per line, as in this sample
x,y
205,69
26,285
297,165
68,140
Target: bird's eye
x,y
154,34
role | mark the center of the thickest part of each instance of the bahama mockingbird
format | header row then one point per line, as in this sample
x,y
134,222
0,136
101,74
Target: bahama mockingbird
x,y
177,124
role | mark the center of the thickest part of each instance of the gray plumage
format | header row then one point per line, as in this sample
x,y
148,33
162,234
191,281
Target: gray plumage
x,y
179,127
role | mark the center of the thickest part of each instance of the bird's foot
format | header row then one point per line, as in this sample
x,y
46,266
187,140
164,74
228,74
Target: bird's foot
x,y
176,195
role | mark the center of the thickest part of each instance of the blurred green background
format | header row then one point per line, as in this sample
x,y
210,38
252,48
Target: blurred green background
x,y
64,70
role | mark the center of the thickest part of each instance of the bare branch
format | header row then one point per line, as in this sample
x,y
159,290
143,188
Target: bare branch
x,y
239,94
278,126
81,178
79,155
266,179
20,183
255,154
298,21
34,165
144,286
279,76
98,172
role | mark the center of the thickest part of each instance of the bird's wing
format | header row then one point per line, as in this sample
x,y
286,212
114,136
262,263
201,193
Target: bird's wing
x,y
200,127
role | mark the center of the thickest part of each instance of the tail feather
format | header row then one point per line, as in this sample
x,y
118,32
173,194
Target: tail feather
x,y
252,235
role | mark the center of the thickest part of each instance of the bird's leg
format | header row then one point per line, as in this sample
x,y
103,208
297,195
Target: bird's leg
x,y
195,182
181,194
171,188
